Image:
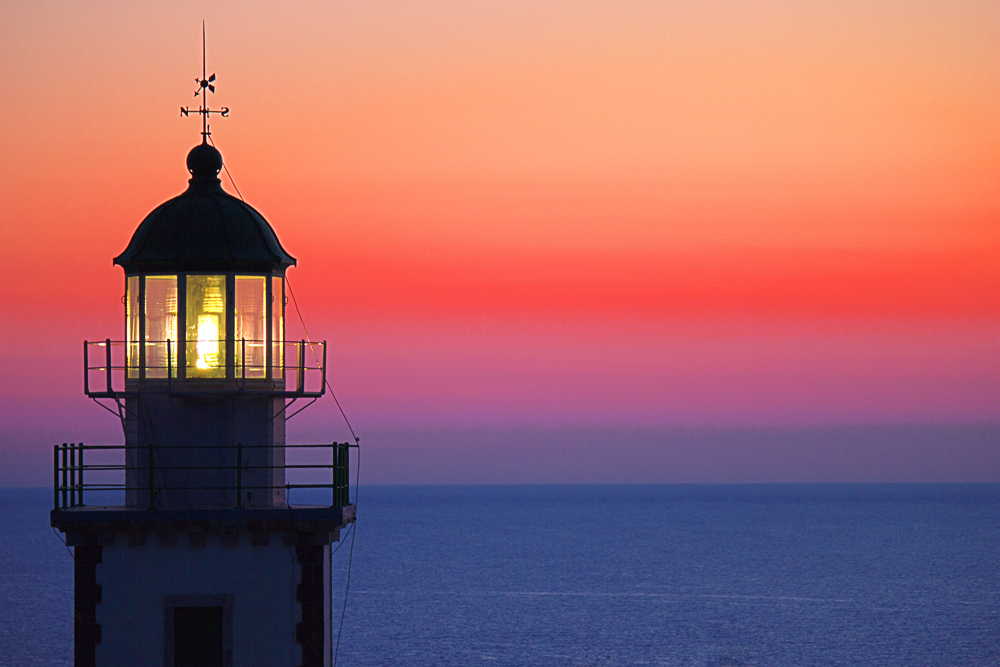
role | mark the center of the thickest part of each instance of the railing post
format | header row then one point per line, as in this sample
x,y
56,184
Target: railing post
x,y
107,352
322,389
334,469
239,475
65,476
341,474
302,368
243,361
170,369
152,504
86,371
55,476
72,474
79,481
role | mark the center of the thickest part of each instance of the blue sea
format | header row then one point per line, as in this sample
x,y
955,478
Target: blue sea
x,y
700,575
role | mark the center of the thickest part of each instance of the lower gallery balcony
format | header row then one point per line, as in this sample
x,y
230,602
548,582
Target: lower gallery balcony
x,y
114,489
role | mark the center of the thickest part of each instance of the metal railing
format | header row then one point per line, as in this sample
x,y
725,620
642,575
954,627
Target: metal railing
x,y
293,369
73,477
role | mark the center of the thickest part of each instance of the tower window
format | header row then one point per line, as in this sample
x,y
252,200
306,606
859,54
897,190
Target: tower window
x,y
133,311
198,630
161,324
198,637
278,326
206,326
251,326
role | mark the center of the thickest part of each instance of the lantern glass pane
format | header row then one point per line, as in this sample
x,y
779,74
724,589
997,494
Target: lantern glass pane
x,y
251,326
161,325
206,327
278,326
132,314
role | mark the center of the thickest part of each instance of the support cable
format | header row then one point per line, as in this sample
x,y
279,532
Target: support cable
x,y
357,440
227,170
350,559
305,330
71,555
357,478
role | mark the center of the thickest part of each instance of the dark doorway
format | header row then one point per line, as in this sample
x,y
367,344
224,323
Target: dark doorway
x,y
198,637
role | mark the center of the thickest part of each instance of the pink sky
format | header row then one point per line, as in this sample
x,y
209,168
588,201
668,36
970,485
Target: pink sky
x,y
537,215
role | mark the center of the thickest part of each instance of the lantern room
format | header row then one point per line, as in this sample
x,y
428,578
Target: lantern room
x,y
204,288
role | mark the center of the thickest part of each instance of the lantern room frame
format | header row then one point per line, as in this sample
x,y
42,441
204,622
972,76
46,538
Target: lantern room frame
x,y
180,367
120,368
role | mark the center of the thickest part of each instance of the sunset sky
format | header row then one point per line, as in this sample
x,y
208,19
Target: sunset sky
x,y
561,223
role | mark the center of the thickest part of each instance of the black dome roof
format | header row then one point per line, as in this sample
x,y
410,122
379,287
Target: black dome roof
x,y
204,229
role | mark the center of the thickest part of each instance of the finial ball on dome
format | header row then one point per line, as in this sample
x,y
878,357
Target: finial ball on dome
x,y
204,162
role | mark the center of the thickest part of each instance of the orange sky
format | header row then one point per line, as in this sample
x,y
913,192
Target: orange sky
x,y
811,184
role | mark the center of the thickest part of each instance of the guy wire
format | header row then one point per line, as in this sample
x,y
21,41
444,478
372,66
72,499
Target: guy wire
x,y
357,440
235,187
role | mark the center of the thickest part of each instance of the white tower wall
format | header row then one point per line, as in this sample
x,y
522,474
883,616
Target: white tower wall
x,y
141,583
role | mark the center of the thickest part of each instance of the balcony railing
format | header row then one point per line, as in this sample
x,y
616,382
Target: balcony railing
x,y
115,473
294,369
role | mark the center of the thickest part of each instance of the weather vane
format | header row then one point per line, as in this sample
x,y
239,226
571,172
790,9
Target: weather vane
x,y
206,85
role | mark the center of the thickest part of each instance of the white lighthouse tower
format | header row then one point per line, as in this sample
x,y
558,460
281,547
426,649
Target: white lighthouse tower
x,y
204,561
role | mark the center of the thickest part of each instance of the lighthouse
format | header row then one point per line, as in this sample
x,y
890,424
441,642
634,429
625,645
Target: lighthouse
x,y
188,549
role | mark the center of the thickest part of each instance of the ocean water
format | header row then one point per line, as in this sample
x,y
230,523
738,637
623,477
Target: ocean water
x,y
713,575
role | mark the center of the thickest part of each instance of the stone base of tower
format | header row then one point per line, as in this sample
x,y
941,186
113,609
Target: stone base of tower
x,y
254,591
